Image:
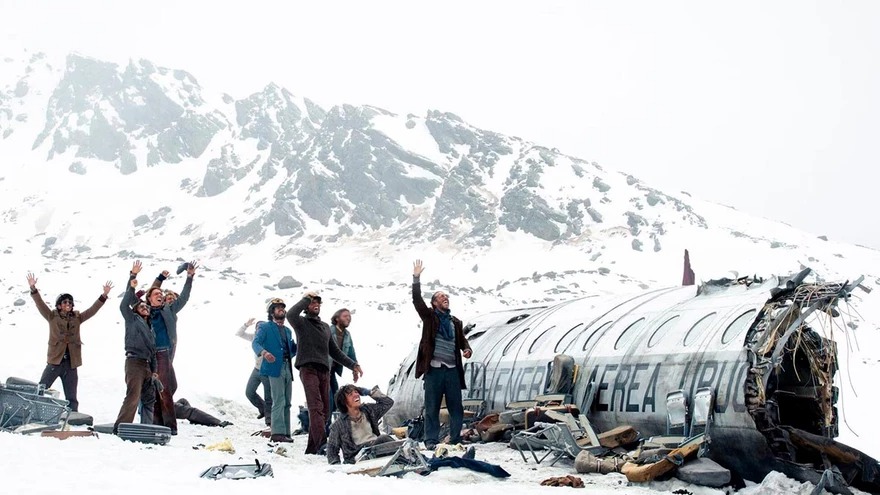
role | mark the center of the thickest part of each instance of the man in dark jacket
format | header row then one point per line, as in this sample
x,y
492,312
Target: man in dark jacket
x,y
358,427
439,360
140,354
274,343
316,347
65,345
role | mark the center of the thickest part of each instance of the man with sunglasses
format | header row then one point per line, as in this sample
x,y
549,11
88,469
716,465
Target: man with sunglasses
x,y
317,346
65,345
439,361
141,366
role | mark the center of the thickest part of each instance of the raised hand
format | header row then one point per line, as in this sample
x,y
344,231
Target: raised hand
x,y
133,283
136,267
165,273
191,271
250,322
32,281
418,268
107,286
311,294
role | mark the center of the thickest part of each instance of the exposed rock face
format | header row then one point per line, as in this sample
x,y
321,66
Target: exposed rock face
x,y
348,171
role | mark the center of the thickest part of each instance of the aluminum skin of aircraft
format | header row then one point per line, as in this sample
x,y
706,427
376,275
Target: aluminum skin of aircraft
x,y
758,344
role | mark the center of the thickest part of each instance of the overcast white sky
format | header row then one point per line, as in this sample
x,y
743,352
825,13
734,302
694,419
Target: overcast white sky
x,y
770,107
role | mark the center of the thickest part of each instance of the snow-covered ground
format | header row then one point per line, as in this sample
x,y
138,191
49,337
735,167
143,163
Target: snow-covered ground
x,y
213,365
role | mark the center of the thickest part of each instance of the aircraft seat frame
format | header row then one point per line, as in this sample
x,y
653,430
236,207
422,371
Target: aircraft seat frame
x,y
677,413
703,408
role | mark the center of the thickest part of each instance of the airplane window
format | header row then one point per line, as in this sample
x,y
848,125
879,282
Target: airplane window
x,y
540,340
510,344
517,318
596,333
738,326
567,338
662,330
699,327
627,335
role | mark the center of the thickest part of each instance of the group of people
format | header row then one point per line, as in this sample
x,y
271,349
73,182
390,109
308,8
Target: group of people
x,y
150,344
319,351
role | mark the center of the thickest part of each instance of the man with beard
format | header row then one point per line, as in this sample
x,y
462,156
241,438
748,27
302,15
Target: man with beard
x,y
340,321
439,360
316,348
274,343
65,345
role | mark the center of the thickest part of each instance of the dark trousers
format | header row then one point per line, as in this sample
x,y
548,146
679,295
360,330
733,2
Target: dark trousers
x,y
316,385
138,387
250,391
69,380
441,382
163,414
334,387
184,410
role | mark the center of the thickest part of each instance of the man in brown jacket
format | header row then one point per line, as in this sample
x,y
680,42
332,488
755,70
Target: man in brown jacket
x,y
439,360
65,346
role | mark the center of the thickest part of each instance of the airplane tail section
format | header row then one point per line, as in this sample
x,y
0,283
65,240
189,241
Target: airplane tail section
x,y
688,278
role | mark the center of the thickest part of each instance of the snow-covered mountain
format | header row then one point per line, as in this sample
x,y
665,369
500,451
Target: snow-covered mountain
x,y
163,157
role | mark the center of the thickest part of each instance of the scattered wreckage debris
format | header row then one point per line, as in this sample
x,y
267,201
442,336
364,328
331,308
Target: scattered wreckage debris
x,y
64,435
239,471
26,407
569,480
746,365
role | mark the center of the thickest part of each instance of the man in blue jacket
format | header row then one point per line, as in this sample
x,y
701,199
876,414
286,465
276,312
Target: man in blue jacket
x,y
274,343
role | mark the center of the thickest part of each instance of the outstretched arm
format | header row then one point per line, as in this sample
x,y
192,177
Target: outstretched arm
x,y
182,299
85,315
129,298
339,356
44,310
242,331
160,278
421,308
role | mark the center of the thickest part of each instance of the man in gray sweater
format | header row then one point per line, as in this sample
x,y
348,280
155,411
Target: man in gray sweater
x,y
315,347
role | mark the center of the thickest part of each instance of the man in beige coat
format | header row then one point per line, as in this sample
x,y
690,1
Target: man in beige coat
x,y
65,345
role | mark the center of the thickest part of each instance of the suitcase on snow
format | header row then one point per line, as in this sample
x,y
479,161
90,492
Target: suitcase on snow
x,y
137,432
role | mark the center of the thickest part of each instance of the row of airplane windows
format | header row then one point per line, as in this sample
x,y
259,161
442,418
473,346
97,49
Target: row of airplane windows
x,y
733,330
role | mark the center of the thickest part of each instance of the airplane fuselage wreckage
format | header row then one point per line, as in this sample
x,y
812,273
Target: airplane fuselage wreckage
x,y
761,349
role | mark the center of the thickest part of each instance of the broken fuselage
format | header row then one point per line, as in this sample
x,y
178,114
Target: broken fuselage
x,y
750,341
